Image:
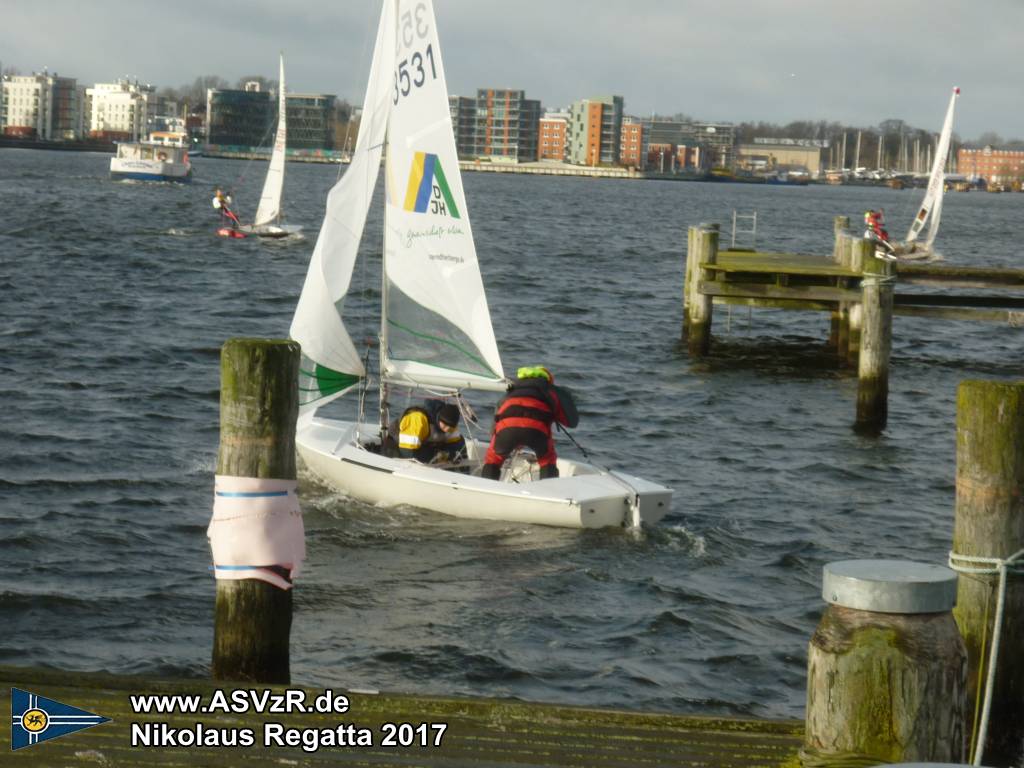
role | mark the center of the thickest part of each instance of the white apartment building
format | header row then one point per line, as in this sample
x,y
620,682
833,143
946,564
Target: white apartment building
x,y
40,107
118,111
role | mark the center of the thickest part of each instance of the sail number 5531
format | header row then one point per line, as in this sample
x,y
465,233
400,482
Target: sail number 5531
x,y
412,71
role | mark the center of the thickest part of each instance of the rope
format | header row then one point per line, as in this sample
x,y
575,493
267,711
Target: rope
x,y
989,566
881,280
634,507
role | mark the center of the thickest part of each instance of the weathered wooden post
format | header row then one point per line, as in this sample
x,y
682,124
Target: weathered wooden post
x,y
988,530
839,225
691,258
886,667
844,249
875,345
256,533
704,250
860,251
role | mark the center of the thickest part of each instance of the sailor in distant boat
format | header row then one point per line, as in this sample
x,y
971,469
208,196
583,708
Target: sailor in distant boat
x,y
222,203
523,418
428,433
876,231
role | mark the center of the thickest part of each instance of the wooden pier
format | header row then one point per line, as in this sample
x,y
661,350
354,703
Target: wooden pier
x,y
480,732
859,290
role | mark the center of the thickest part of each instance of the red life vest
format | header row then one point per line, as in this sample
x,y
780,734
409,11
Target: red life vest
x,y
529,404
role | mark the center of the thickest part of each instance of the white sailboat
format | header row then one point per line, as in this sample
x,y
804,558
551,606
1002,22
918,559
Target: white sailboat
x,y
268,214
436,328
930,211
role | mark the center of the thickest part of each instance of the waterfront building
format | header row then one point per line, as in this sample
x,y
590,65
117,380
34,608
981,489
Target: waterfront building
x,y
719,142
506,126
997,167
595,131
463,112
310,120
241,119
672,146
554,136
766,155
40,106
631,145
118,111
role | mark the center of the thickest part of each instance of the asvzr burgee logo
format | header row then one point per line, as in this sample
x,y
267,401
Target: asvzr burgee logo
x,y
428,190
37,718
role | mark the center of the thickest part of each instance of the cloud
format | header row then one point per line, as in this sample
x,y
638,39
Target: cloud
x,y
719,60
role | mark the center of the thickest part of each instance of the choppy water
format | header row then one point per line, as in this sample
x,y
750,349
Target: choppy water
x,y
117,297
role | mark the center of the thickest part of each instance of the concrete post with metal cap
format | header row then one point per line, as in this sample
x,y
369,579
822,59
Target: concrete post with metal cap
x,y
259,406
886,668
988,531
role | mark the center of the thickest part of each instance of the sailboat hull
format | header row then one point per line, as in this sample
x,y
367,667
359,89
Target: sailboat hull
x,y
271,230
581,497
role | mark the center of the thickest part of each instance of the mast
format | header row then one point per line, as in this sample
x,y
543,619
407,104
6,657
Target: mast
x,y
382,386
382,339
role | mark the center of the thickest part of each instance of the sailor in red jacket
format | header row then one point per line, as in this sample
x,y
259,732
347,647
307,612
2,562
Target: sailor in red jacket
x,y
523,418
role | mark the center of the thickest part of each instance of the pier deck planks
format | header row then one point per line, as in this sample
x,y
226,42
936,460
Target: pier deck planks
x,y
481,732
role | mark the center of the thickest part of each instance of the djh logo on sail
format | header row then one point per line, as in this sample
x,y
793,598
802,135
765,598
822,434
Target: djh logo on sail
x,y
428,190
36,718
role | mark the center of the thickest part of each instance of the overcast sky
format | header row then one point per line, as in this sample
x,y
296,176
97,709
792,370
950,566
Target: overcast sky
x,y
717,60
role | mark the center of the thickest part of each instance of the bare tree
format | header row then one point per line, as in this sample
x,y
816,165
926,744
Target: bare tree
x,y
990,138
195,94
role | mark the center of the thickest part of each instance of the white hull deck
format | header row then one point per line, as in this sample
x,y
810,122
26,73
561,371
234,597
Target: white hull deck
x,y
581,497
149,170
271,230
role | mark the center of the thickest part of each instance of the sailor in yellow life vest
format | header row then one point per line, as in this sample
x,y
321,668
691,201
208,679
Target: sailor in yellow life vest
x,y
428,433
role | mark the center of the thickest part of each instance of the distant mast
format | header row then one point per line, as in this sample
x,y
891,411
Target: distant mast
x,y
936,181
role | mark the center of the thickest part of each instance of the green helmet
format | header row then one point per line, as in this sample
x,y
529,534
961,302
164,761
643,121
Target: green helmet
x,y
535,372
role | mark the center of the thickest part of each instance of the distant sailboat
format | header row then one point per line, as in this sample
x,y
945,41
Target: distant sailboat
x,y
931,206
268,214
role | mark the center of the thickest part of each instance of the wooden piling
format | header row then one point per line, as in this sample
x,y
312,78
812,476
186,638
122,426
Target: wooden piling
x,y
858,250
990,524
841,316
839,225
688,281
886,668
875,342
704,250
258,412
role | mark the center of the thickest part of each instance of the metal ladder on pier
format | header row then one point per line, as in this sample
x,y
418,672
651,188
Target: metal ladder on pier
x,y
748,219
750,230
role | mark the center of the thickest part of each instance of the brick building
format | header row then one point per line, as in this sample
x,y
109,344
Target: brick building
x,y
554,136
996,166
631,144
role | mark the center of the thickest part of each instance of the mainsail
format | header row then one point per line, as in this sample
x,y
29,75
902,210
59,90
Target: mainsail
x,y
436,325
270,201
932,202
330,363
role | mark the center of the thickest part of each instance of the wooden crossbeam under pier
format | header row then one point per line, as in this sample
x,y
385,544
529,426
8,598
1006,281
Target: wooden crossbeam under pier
x,y
859,290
